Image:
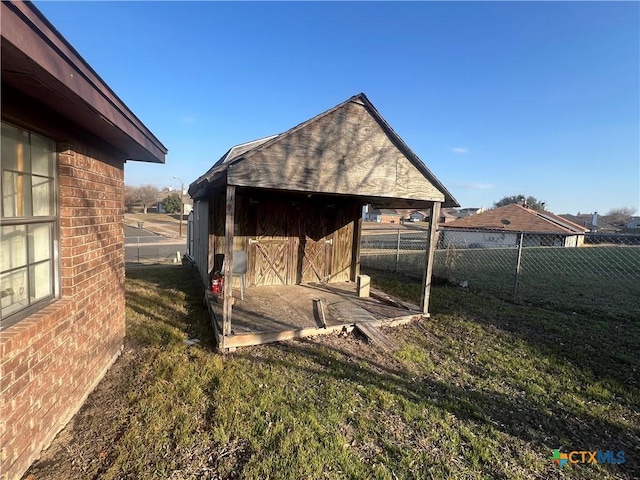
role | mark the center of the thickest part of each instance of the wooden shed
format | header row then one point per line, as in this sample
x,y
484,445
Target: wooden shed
x,y
292,203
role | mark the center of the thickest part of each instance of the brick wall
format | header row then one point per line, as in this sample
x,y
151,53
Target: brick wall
x,y
51,360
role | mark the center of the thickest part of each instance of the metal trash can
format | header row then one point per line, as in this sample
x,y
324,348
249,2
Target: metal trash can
x,y
140,225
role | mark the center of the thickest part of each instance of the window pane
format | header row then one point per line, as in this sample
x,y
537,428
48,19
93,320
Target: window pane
x,y
40,281
39,242
42,198
13,291
42,155
14,247
16,191
15,149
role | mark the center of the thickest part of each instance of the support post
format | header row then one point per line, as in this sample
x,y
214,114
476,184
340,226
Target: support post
x,y
429,251
355,246
181,211
228,261
516,279
397,250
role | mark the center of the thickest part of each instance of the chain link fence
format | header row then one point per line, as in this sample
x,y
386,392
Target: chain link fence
x,y
574,273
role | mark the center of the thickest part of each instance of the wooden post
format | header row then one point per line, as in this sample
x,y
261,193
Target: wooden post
x,y
516,279
430,249
398,250
355,249
228,262
363,286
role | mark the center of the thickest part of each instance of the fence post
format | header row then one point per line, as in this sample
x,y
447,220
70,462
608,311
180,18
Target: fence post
x,y
516,280
398,252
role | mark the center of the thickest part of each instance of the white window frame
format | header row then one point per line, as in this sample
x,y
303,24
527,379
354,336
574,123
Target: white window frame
x,y
29,222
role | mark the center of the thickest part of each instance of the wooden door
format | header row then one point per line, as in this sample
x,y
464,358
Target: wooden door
x,y
271,261
316,255
315,245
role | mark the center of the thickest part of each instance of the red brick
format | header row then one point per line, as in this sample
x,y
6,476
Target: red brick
x,y
63,347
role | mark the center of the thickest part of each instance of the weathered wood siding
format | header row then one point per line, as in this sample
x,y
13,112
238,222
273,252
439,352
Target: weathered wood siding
x,y
201,238
345,152
290,239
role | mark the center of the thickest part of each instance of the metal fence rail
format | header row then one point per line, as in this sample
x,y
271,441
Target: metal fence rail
x,y
594,272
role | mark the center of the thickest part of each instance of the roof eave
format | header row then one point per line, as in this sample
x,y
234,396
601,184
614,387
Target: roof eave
x,y
57,76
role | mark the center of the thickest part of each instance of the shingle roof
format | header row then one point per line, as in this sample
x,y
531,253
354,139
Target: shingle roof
x,y
586,220
516,218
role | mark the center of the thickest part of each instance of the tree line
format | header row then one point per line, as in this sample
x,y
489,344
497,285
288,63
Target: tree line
x,y
147,196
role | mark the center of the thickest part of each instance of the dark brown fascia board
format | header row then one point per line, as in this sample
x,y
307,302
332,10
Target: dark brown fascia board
x,y
29,32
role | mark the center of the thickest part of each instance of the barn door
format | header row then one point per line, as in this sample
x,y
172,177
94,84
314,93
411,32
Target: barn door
x,y
271,261
316,258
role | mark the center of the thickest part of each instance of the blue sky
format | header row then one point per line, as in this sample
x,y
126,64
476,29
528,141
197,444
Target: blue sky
x,y
497,98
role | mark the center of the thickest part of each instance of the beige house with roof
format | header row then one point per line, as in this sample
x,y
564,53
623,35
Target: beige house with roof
x,y
501,227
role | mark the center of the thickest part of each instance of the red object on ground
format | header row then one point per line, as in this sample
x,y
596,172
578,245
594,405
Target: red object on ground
x,y
217,283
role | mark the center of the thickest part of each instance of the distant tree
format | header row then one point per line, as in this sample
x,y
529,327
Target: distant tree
x,y
531,202
620,216
130,197
147,195
172,203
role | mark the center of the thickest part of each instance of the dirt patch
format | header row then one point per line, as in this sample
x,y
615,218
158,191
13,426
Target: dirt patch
x,y
84,448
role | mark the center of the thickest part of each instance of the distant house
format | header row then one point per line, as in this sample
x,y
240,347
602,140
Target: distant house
x,y
383,215
501,227
592,222
447,215
633,224
419,216
465,212
65,139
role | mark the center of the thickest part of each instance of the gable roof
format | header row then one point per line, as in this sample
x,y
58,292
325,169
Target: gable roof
x,y
448,213
347,150
38,62
586,220
520,219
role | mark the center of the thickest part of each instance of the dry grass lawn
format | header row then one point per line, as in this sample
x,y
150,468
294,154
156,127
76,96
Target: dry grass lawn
x,y
483,389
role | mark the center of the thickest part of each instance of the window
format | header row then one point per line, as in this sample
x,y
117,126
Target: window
x,y
28,231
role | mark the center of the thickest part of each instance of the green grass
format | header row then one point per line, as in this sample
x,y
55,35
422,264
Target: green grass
x,y
483,389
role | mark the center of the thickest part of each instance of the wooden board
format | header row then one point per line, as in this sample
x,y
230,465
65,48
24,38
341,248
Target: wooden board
x,y
342,239
348,312
344,152
376,337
